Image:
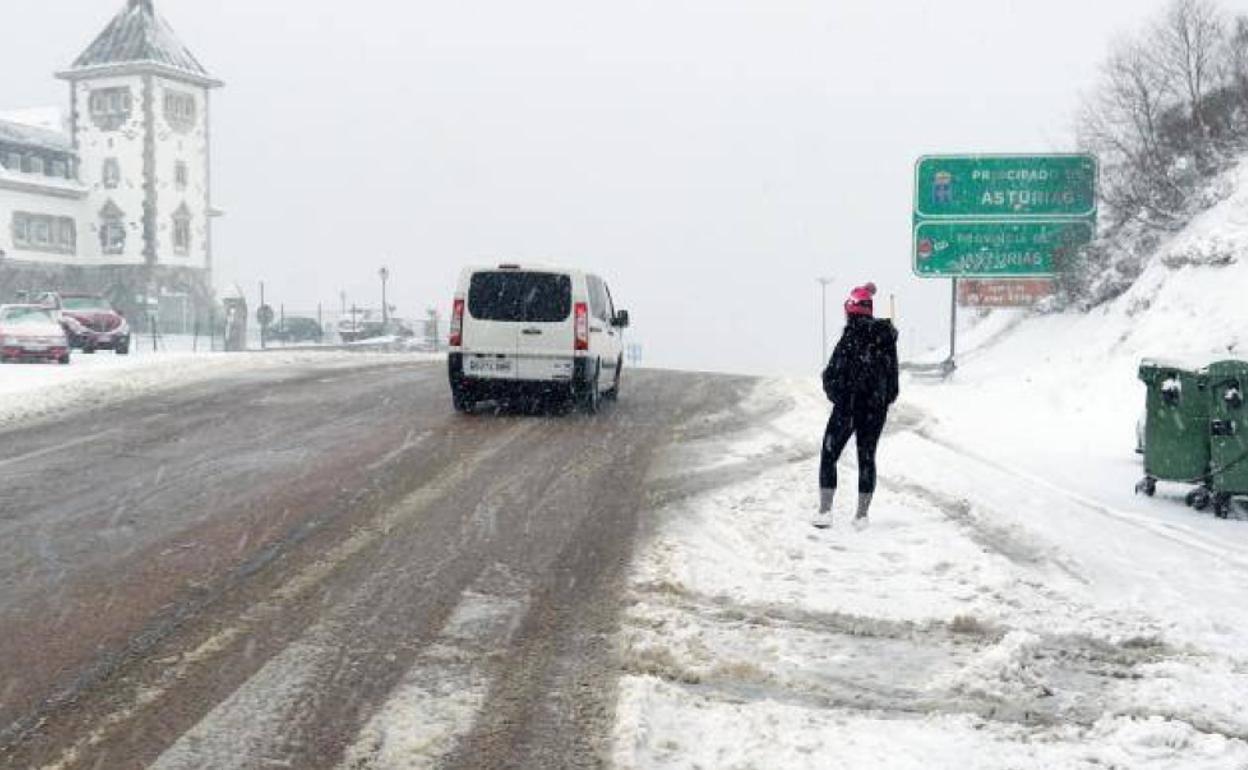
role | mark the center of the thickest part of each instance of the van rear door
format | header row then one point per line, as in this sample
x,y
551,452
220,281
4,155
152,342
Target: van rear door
x,y
547,340
518,326
491,326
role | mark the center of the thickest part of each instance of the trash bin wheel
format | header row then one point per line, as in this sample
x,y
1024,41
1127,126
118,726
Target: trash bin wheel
x,y
1222,506
1147,486
1199,499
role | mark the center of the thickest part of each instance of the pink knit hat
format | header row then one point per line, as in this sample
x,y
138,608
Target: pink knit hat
x,y
861,301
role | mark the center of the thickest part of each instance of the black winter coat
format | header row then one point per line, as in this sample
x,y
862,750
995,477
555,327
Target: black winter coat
x,y
863,370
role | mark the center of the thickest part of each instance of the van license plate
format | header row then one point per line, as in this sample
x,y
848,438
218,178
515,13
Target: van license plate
x,y
489,366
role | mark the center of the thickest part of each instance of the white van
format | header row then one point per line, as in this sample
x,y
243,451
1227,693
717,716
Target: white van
x,y
532,331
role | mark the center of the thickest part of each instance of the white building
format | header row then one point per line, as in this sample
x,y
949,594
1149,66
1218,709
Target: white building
x,y
116,200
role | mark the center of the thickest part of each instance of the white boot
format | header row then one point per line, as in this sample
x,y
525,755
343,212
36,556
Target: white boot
x,y
864,508
823,519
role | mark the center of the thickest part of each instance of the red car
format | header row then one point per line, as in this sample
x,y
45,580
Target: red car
x,y
90,322
31,333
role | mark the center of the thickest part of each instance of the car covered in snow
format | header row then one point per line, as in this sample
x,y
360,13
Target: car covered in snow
x,y
90,322
31,333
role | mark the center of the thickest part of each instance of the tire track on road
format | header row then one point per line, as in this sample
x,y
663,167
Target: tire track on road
x,y
258,693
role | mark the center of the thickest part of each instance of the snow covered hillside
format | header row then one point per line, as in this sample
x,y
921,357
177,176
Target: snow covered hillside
x,y
1014,603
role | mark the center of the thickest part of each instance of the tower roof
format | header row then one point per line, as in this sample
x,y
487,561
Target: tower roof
x,y
138,36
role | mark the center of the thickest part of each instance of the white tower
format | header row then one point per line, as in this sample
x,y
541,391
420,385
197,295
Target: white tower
x,y
140,117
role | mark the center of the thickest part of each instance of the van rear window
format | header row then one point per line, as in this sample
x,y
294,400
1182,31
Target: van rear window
x,y
520,297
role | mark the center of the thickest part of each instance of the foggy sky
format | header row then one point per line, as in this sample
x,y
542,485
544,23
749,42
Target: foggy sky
x,y
710,157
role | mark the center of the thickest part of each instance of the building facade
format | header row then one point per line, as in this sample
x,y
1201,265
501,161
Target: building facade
x,y
118,200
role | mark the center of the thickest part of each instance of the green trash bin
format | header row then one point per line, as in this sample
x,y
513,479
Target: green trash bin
x,y
1228,429
1176,429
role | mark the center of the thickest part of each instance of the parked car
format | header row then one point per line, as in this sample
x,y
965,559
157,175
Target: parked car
x,y
535,331
31,333
297,329
90,322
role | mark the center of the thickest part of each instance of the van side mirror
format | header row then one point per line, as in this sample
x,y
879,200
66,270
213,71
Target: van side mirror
x,y
621,320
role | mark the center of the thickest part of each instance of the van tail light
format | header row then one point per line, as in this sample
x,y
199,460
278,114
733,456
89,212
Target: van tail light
x,y
582,326
457,324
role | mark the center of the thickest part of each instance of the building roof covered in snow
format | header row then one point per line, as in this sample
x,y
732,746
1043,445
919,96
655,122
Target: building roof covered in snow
x,y
138,36
31,136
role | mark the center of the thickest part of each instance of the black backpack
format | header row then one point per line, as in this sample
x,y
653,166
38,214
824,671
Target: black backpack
x,y
864,365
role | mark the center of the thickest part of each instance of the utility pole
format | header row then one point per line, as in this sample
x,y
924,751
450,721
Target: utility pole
x,y
385,309
823,304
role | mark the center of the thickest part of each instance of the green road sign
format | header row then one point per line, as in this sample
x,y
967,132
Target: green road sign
x,y
1005,186
988,249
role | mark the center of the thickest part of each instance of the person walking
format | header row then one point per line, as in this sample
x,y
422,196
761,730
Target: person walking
x,y
861,381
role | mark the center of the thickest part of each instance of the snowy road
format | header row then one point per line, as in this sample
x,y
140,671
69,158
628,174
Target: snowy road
x,y
323,567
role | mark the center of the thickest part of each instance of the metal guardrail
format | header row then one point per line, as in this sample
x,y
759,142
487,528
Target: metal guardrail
x,y
937,371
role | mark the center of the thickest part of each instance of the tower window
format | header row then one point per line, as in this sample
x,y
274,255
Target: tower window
x,y
181,175
182,231
180,110
111,175
110,107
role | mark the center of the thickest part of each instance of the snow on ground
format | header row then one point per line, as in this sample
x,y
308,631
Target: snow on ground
x,y
1013,604
33,391
982,621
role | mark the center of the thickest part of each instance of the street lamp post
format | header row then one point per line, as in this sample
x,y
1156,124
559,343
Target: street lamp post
x,y
385,309
823,286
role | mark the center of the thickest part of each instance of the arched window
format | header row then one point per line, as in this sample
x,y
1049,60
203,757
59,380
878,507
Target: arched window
x,y
112,229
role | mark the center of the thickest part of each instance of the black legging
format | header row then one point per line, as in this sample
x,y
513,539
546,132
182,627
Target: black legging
x,y
868,425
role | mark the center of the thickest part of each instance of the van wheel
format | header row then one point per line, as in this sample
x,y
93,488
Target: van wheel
x,y
614,393
591,399
462,403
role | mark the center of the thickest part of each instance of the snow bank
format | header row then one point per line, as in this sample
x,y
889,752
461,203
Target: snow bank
x,y
986,619
673,728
